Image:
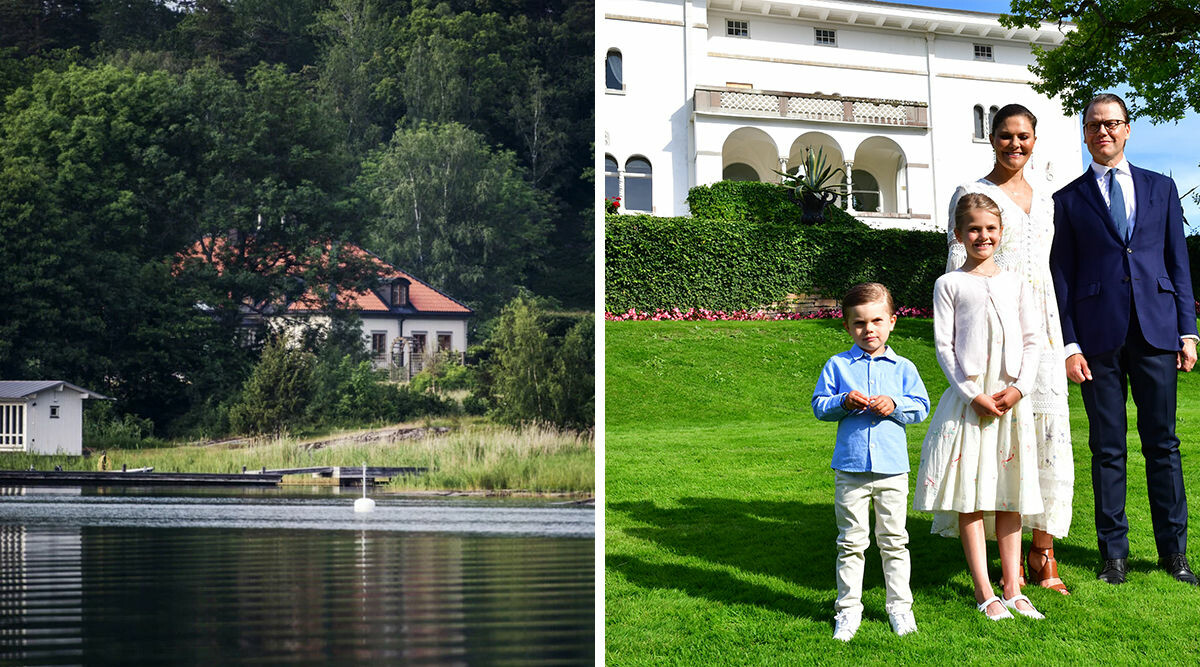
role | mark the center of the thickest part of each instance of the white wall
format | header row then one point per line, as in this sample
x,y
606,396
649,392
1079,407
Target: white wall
x,y
61,435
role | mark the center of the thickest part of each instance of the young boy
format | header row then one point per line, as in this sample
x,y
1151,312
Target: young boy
x,y
872,393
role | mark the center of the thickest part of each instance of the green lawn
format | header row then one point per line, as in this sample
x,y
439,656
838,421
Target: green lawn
x,y
719,529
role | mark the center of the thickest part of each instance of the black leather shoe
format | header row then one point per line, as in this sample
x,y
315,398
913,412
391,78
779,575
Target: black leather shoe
x,y
1177,565
1114,571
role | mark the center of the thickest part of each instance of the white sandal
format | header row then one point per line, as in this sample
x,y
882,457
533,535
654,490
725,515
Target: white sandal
x,y
1032,613
983,606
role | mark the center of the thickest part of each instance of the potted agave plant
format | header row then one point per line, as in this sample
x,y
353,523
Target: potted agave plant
x,y
814,184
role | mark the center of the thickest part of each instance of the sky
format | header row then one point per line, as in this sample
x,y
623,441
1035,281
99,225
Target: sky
x,y
1154,147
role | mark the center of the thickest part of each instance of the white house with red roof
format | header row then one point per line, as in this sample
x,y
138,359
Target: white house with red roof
x,y
403,320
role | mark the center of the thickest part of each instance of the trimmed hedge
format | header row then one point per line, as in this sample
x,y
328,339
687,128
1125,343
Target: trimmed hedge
x,y
747,248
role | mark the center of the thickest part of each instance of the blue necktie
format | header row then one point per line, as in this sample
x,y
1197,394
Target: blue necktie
x,y
1116,205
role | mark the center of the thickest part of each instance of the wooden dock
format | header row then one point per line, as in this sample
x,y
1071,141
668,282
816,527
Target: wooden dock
x,y
119,478
351,475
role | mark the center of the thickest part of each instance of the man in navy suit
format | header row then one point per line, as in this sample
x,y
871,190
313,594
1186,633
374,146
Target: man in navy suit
x,y
1124,290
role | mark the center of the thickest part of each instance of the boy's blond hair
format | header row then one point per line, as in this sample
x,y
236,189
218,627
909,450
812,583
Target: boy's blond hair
x,y
867,293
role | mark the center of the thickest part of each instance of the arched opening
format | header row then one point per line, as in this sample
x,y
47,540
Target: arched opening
x,y
754,150
829,148
639,185
866,191
991,117
614,71
612,177
883,162
739,171
980,133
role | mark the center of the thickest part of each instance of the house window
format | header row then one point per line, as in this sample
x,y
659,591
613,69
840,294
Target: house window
x,y
979,131
866,191
379,344
735,28
614,75
399,294
984,52
443,341
639,185
991,117
612,177
418,343
739,171
54,412
12,427
826,37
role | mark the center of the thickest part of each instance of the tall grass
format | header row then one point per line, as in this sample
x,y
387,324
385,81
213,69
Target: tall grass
x,y
472,456
720,534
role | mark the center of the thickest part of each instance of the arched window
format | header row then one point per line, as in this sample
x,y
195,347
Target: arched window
x,y
739,171
979,131
639,185
991,116
614,75
866,191
612,178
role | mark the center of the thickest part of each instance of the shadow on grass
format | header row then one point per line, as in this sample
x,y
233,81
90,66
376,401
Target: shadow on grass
x,y
791,541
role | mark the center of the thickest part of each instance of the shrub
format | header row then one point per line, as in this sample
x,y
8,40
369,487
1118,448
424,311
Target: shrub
x,y
277,392
746,248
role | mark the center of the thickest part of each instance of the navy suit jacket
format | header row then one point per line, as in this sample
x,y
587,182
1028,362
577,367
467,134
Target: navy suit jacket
x,y
1098,277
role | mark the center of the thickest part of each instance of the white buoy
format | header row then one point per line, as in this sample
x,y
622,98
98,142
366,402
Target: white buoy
x,y
364,504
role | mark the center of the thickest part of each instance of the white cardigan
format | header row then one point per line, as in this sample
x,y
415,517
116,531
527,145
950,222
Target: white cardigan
x,y
960,329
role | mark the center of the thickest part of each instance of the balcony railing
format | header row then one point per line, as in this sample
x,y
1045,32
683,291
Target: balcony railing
x,y
808,106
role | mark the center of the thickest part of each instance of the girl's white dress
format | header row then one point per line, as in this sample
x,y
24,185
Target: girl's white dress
x,y
1025,250
969,463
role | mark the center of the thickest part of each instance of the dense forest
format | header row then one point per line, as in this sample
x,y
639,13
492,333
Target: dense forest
x,y
451,139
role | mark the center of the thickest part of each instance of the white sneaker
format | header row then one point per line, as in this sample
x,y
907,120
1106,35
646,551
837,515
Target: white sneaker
x,y
903,622
845,624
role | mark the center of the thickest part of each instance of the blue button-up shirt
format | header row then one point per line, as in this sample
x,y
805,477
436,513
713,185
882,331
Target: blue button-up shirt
x,y
867,442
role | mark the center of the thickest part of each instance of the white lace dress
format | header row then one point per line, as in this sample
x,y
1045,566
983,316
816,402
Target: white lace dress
x,y
1025,249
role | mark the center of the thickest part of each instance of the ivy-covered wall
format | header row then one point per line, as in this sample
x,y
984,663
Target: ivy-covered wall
x,y
746,248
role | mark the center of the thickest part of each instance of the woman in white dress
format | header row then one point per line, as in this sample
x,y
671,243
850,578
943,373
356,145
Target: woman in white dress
x,y
1028,215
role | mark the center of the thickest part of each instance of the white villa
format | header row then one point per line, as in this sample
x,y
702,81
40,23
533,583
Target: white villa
x,y
899,96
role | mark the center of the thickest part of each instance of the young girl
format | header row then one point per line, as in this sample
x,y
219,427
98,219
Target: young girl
x,y
979,453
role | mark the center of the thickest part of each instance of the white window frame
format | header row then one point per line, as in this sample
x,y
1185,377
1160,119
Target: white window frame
x,y
13,425
54,412
621,59
825,37
449,341
985,53
737,28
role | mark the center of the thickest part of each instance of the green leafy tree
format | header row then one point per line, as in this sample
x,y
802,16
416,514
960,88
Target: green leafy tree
x,y
522,373
1150,46
277,392
354,36
573,383
454,212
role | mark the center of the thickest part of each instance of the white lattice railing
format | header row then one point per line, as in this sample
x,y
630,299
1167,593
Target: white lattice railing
x,y
829,108
815,108
749,102
887,114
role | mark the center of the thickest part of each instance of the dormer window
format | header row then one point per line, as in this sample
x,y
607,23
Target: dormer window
x,y
398,295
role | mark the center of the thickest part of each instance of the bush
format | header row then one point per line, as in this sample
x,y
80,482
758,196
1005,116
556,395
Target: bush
x,y
745,254
104,429
277,392
349,393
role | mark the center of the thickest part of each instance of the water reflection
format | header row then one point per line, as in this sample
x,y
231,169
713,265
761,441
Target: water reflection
x,y
166,590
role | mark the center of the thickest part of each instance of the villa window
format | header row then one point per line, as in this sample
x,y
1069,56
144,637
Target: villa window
x,y
991,117
735,28
614,74
639,185
612,177
826,37
984,52
443,341
54,412
739,171
379,344
866,191
980,133
399,294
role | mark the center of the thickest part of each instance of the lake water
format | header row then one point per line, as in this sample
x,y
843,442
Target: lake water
x,y
187,577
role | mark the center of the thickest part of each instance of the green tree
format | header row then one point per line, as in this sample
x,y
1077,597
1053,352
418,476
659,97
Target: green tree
x,y
354,37
277,392
454,212
522,365
573,382
1151,46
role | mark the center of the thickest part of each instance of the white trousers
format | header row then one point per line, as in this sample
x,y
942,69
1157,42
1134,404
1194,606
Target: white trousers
x,y
854,494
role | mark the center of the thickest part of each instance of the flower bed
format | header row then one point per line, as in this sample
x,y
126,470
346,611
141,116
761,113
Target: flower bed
x,y
703,314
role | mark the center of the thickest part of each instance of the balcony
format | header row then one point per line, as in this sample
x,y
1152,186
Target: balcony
x,y
807,106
